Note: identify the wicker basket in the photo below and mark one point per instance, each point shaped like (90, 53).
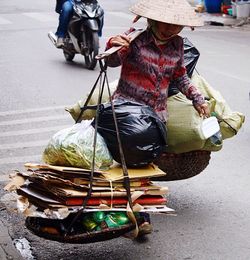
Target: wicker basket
(182, 166)
(36, 225)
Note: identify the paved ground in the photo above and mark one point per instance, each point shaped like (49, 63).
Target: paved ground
(7, 248)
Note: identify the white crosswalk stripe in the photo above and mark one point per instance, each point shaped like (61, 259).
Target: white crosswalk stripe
(42, 17)
(33, 120)
(32, 131)
(4, 21)
(128, 16)
(26, 144)
(39, 109)
(47, 17)
(20, 159)
(22, 145)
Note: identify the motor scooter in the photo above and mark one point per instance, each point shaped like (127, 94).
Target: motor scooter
(83, 32)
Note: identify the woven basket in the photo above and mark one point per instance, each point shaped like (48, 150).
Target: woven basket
(182, 166)
(36, 225)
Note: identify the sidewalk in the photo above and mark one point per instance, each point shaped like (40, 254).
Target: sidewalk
(219, 19)
(7, 248)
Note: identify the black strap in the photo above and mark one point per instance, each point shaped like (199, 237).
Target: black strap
(126, 181)
(102, 81)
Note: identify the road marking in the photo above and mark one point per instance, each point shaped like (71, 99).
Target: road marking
(4, 21)
(24, 145)
(21, 159)
(33, 120)
(122, 15)
(30, 110)
(229, 75)
(33, 131)
(42, 17)
(125, 28)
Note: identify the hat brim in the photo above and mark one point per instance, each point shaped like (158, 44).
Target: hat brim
(174, 12)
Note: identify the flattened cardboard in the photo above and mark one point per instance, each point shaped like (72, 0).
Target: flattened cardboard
(115, 173)
(64, 192)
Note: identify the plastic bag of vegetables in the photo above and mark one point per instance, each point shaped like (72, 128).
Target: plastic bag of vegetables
(73, 146)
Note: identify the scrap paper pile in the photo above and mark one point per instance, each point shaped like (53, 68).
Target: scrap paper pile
(55, 192)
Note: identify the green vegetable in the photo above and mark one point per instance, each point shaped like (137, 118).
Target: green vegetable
(74, 147)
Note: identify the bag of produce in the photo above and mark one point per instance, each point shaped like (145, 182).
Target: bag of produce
(73, 146)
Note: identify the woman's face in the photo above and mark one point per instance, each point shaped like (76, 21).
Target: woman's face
(166, 30)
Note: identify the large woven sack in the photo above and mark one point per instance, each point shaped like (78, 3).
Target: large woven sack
(184, 127)
(184, 123)
(230, 121)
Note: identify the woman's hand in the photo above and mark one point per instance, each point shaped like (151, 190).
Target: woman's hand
(136, 18)
(120, 40)
(202, 109)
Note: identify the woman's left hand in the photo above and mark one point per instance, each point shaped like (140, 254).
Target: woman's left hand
(202, 109)
(120, 40)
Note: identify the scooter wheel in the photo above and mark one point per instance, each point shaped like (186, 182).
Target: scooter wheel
(68, 56)
(93, 45)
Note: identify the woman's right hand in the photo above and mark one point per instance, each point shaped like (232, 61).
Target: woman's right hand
(120, 40)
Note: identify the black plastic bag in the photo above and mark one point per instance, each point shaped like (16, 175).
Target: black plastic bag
(191, 56)
(143, 134)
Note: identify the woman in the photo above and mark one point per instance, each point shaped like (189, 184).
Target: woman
(154, 59)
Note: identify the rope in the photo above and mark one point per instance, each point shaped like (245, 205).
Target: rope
(126, 182)
(112, 194)
(101, 86)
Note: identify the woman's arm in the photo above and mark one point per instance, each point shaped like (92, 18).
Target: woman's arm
(190, 91)
(116, 59)
(187, 88)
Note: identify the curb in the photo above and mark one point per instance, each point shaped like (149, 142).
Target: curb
(7, 249)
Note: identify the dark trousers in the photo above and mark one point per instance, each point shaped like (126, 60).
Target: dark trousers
(64, 17)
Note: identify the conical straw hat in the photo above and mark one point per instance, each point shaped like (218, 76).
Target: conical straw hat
(168, 11)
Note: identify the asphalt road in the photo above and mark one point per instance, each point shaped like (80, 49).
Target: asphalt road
(36, 84)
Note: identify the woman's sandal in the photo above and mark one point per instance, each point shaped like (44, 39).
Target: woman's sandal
(144, 229)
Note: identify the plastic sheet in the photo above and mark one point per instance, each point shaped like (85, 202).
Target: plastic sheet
(143, 134)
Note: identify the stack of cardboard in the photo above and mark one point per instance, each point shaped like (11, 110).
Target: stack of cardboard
(55, 192)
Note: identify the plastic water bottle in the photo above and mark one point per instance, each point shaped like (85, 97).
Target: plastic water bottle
(217, 137)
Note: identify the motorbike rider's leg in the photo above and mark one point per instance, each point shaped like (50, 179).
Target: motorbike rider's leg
(64, 18)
